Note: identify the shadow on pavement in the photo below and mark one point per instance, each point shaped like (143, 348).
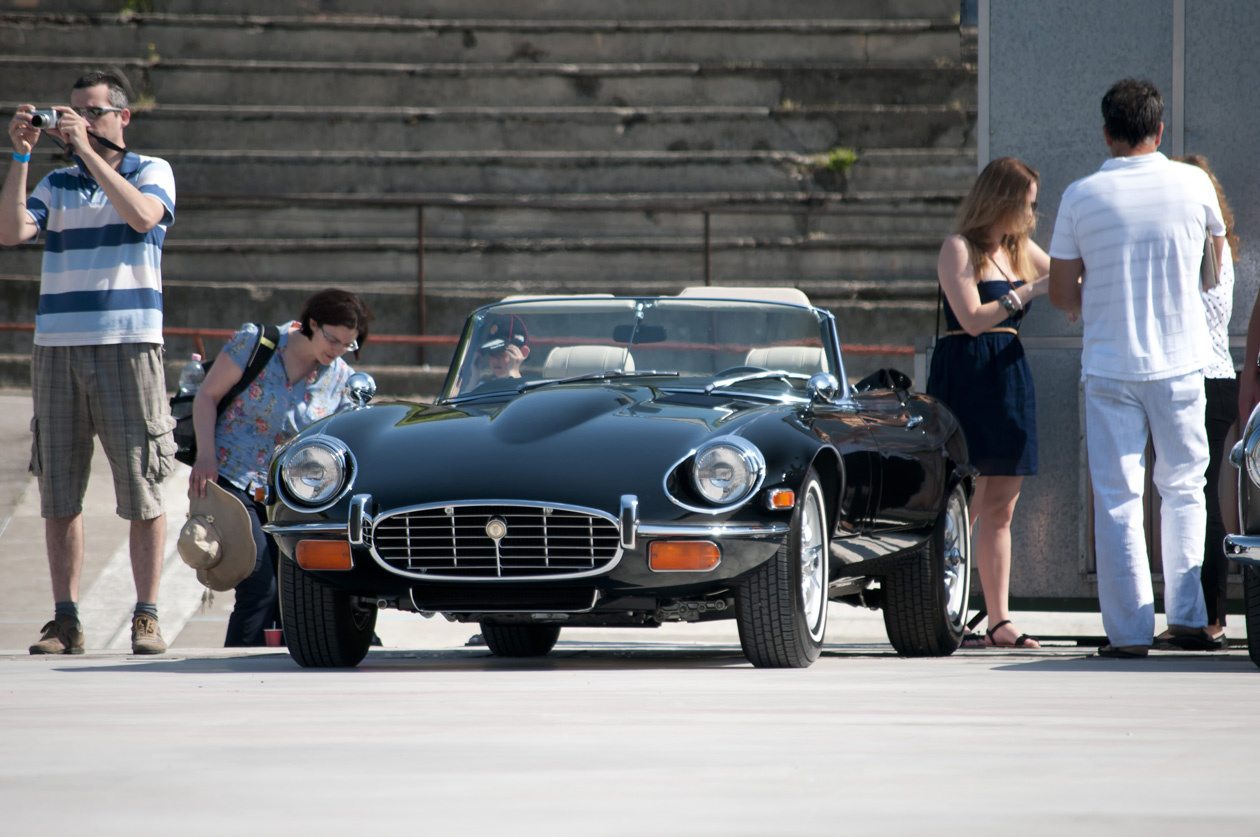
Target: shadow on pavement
(453, 660)
(652, 657)
(1163, 662)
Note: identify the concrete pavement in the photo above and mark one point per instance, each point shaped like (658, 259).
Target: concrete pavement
(663, 736)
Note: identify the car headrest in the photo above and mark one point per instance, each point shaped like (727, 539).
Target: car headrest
(794, 296)
(803, 359)
(567, 361)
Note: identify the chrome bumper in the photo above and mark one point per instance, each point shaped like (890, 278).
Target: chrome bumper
(631, 528)
(1243, 549)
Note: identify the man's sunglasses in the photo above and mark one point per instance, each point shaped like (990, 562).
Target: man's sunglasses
(95, 112)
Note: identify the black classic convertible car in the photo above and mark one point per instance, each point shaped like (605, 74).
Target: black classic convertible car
(612, 461)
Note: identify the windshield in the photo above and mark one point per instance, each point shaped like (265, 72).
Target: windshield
(695, 341)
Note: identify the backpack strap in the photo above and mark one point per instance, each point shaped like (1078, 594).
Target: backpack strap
(268, 340)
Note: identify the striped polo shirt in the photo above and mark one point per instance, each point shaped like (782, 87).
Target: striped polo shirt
(102, 280)
(1138, 224)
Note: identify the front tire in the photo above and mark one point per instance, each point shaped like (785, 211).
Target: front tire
(781, 608)
(1251, 599)
(324, 628)
(519, 640)
(925, 600)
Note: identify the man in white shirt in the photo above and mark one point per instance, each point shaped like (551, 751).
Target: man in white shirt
(1125, 256)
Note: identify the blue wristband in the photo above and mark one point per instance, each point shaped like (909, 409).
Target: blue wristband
(21, 158)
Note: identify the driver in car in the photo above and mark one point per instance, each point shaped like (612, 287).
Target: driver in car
(504, 347)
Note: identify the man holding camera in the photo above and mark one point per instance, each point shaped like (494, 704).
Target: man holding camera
(97, 363)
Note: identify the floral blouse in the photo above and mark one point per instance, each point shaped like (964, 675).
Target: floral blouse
(271, 411)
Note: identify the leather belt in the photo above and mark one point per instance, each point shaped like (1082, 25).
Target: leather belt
(1001, 330)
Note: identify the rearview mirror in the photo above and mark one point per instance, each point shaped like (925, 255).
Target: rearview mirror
(645, 334)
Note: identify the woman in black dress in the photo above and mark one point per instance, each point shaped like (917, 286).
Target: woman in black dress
(990, 270)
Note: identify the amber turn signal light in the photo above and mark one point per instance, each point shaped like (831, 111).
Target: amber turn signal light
(780, 498)
(324, 555)
(683, 556)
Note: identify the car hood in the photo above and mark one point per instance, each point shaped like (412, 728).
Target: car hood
(580, 445)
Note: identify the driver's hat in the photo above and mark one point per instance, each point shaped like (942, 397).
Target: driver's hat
(504, 330)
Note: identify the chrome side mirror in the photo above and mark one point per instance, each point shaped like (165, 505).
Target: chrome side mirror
(360, 389)
(822, 387)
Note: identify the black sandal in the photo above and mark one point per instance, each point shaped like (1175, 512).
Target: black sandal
(1020, 642)
(1201, 641)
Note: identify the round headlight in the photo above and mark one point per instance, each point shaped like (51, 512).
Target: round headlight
(314, 471)
(727, 472)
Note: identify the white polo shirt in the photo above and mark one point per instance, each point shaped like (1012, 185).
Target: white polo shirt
(1138, 224)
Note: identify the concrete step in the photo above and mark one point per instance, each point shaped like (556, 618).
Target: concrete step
(45, 79)
(560, 10)
(235, 219)
(261, 172)
(538, 265)
(560, 172)
(801, 129)
(404, 39)
(907, 169)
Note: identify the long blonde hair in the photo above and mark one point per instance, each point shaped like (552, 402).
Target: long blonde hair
(999, 197)
(1227, 211)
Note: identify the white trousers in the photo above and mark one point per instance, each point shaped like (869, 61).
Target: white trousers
(1118, 415)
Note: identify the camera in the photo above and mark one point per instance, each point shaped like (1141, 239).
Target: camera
(44, 119)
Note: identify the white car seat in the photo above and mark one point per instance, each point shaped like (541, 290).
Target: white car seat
(803, 359)
(567, 361)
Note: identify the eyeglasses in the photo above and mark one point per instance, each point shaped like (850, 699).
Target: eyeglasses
(95, 112)
(352, 346)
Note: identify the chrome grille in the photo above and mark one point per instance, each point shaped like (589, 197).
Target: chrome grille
(450, 541)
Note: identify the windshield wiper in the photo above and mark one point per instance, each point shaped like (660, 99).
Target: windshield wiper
(607, 374)
(478, 396)
(755, 376)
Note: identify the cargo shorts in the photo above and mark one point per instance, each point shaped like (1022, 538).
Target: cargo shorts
(117, 393)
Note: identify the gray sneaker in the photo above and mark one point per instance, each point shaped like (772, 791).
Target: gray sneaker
(145, 636)
(63, 635)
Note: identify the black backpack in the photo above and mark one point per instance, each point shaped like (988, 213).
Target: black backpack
(185, 436)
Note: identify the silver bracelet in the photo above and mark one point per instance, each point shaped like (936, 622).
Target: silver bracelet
(1008, 304)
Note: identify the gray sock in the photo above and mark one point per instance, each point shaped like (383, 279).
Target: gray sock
(66, 609)
(146, 609)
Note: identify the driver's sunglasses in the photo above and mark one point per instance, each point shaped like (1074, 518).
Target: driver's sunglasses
(95, 112)
(352, 346)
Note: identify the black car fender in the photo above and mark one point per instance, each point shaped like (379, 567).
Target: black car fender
(790, 451)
